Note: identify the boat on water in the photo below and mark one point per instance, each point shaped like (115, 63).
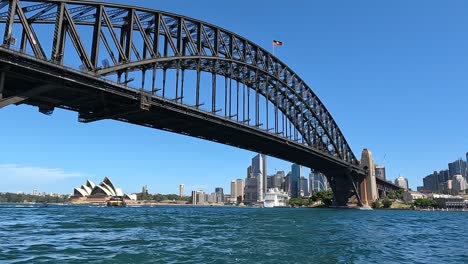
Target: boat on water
(275, 198)
(116, 202)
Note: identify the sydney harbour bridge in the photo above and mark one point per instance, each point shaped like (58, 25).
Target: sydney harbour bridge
(166, 71)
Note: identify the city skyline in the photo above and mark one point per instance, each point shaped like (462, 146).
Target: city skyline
(387, 76)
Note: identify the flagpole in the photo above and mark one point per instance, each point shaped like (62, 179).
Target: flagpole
(273, 44)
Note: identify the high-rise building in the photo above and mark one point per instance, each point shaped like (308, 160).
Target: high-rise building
(318, 181)
(459, 184)
(295, 180)
(144, 189)
(402, 182)
(380, 172)
(431, 182)
(233, 189)
(259, 172)
(219, 195)
(286, 186)
(276, 180)
(250, 191)
(304, 187)
(181, 190)
(198, 197)
(457, 167)
(240, 190)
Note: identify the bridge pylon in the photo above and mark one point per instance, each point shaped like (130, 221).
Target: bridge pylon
(368, 187)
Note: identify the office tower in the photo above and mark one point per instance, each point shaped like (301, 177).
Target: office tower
(286, 186)
(431, 182)
(318, 181)
(240, 190)
(194, 197)
(304, 187)
(259, 172)
(457, 167)
(181, 190)
(402, 182)
(219, 195)
(295, 180)
(369, 185)
(233, 189)
(459, 184)
(380, 172)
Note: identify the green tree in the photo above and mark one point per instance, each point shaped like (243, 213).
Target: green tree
(425, 203)
(295, 202)
(376, 205)
(325, 196)
(386, 203)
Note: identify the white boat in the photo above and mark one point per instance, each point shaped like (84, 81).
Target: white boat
(275, 198)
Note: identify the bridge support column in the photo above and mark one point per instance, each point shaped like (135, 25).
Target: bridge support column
(368, 186)
(345, 185)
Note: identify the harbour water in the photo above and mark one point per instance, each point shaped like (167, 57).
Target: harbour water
(183, 234)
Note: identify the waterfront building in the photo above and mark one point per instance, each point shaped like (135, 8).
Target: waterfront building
(459, 184)
(304, 183)
(410, 196)
(449, 201)
(402, 182)
(380, 172)
(369, 185)
(198, 197)
(295, 180)
(240, 190)
(181, 190)
(96, 194)
(275, 198)
(317, 181)
(219, 195)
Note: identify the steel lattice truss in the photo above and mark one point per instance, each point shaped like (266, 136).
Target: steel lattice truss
(127, 40)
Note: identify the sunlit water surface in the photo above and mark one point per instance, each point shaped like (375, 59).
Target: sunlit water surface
(183, 234)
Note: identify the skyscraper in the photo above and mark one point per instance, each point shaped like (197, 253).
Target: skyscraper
(457, 167)
(240, 190)
(318, 181)
(304, 186)
(295, 180)
(402, 182)
(380, 172)
(233, 189)
(181, 190)
(259, 172)
(219, 195)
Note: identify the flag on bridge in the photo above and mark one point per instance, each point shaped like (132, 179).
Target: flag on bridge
(277, 43)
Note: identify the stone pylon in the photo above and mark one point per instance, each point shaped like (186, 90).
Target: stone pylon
(368, 186)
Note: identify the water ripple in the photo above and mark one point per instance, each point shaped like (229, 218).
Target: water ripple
(77, 234)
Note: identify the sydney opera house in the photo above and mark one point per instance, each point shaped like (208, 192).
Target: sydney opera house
(98, 194)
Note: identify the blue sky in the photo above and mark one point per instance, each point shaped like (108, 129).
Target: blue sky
(393, 74)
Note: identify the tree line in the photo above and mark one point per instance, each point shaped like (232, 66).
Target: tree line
(29, 198)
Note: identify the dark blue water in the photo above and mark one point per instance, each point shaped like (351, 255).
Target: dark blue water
(80, 234)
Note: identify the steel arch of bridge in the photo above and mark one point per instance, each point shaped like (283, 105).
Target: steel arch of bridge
(127, 40)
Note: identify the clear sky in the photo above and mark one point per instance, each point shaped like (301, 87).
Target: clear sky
(393, 74)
